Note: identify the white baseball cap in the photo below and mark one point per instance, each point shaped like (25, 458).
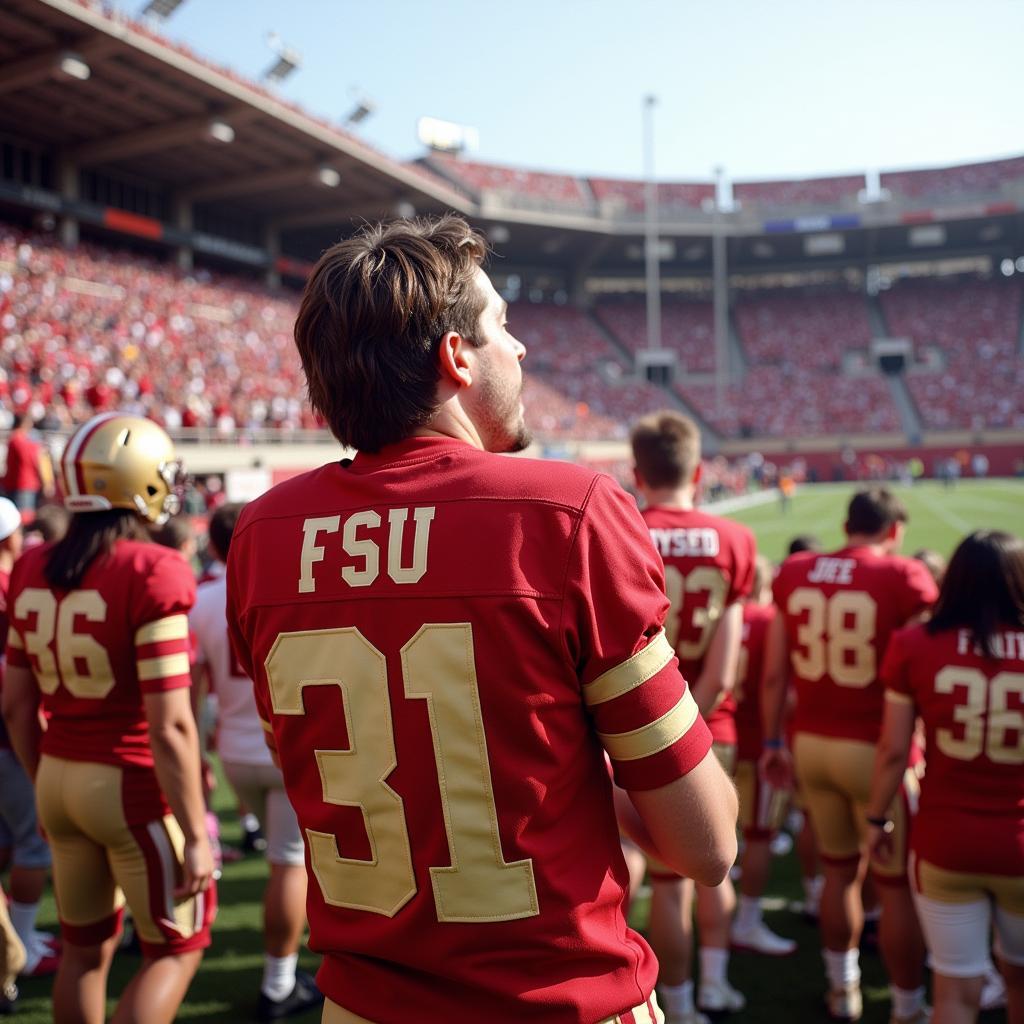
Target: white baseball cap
(10, 518)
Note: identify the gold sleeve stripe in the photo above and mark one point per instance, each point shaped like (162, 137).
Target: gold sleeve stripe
(637, 670)
(166, 667)
(267, 727)
(174, 627)
(14, 640)
(649, 739)
(898, 698)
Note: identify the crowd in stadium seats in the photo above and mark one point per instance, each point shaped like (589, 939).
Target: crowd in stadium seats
(975, 325)
(199, 350)
(672, 195)
(577, 384)
(687, 328)
(810, 192)
(965, 179)
(562, 189)
(791, 401)
(807, 329)
(86, 330)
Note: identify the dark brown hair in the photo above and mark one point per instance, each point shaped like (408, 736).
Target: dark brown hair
(173, 534)
(983, 589)
(90, 535)
(371, 320)
(222, 526)
(666, 448)
(874, 510)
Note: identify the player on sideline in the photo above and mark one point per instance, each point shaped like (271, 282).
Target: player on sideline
(99, 639)
(837, 612)
(709, 570)
(761, 805)
(963, 673)
(442, 642)
(254, 777)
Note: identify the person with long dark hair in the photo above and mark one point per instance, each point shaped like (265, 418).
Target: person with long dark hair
(963, 673)
(99, 641)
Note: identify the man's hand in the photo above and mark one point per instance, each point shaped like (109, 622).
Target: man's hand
(880, 845)
(197, 866)
(776, 767)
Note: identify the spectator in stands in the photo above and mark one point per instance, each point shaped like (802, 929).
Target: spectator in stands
(933, 562)
(28, 471)
(49, 525)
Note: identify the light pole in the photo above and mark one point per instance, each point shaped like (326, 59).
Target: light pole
(653, 270)
(720, 282)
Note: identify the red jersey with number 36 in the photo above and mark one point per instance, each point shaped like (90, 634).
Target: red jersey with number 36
(96, 650)
(709, 565)
(840, 610)
(444, 642)
(971, 814)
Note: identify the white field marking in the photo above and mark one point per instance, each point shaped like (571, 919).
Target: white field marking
(940, 512)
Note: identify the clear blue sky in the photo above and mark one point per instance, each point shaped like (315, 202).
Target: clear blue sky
(764, 87)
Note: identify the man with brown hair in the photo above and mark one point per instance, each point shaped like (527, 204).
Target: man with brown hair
(444, 644)
(709, 570)
(836, 614)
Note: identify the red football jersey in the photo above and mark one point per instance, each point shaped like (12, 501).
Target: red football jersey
(442, 641)
(749, 735)
(95, 650)
(971, 815)
(709, 564)
(840, 610)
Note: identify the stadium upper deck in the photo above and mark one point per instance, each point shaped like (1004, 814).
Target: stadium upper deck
(197, 167)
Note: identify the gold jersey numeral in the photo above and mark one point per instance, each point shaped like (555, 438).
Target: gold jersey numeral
(680, 586)
(988, 728)
(438, 666)
(836, 637)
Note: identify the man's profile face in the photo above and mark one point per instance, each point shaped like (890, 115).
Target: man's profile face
(497, 408)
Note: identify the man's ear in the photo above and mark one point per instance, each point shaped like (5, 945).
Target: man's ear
(455, 368)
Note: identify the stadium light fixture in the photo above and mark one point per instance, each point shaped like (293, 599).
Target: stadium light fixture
(360, 112)
(404, 210)
(1007, 267)
(220, 131)
(160, 10)
(287, 60)
(1020, 264)
(72, 66)
(328, 177)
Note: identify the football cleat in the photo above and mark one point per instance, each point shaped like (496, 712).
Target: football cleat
(719, 997)
(119, 461)
(846, 1004)
(761, 939)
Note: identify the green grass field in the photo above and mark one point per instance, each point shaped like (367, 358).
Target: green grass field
(788, 990)
(939, 517)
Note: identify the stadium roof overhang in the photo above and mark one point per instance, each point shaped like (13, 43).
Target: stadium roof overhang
(146, 111)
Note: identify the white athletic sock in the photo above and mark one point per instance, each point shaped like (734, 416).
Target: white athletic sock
(713, 964)
(906, 1002)
(676, 1000)
(23, 917)
(748, 914)
(278, 976)
(842, 968)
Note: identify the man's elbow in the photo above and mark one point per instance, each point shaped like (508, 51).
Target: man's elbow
(718, 863)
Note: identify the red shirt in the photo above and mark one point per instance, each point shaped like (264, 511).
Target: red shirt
(96, 650)
(840, 610)
(749, 735)
(709, 565)
(22, 464)
(442, 640)
(971, 814)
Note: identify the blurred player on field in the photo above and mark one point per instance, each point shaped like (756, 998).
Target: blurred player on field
(837, 612)
(444, 642)
(99, 639)
(962, 672)
(762, 806)
(709, 570)
(254, 777)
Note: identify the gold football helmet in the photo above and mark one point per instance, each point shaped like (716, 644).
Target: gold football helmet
(120, 461)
